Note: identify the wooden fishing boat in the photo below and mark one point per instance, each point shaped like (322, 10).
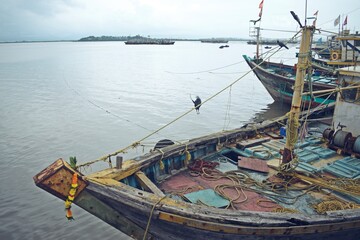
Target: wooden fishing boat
(226, 185)
(278, 79)
(346, 53)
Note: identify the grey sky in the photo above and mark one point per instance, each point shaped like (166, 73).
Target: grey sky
(73, 19)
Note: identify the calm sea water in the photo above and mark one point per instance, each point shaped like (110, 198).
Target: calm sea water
(90, 99)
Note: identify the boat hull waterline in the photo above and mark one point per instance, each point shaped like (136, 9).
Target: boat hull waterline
(281, 87)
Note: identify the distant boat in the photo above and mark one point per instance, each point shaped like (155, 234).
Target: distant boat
(343, 53)
(324, 48)
(266, 42)
(145, 41)
(214, 40)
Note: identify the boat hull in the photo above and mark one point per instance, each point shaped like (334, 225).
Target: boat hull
(137, 212)
(281, 87)
(168, 222)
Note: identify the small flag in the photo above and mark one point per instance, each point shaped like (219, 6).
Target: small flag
(337, 20)
(261, 4)
(261, 7)
(345, 21)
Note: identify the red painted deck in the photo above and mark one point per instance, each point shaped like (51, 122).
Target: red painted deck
(183, 183)
(253, 164)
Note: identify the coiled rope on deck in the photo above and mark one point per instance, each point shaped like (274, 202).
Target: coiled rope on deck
(239, 181)
(334, 205)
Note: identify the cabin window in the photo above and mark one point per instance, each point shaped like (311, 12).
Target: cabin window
(350, 95)
(357, 43)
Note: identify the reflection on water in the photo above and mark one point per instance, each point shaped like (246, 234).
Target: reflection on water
(91, 99)
(272, 110)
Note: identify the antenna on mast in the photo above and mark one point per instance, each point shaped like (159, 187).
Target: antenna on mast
(305, 11)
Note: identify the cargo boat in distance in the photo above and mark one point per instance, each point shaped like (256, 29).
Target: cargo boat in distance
(214, 40)
(150, 42)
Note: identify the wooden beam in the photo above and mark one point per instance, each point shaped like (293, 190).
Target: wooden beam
(147, 184)
(129, 167)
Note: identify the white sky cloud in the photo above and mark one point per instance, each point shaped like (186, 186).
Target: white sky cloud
(73, 19)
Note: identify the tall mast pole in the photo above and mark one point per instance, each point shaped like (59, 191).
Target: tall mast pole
(293, 121)
(257, 42)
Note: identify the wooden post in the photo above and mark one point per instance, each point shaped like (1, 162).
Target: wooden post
(293, 121)
(119, 160)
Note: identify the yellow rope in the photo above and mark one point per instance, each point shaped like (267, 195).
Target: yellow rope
(284, 210)
(135, 144)
(292, 127)
(187, 155)
(161, 164)
(151, 213)
(334, 205)
(242, 181)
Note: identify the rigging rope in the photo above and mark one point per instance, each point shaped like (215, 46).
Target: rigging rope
(207, 71)
(227, 112)
(137, 143)
(104, 109)
(150, 216)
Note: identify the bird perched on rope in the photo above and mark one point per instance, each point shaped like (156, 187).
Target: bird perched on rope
(197, 103)
(281, 44)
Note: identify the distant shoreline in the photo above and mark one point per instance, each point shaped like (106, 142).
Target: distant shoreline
(138, 37)
(124, 39)
(173, 39)
(39, 41)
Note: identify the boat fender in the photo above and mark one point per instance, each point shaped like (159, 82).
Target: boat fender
(187, 156)
(334, 56)
(163, 143)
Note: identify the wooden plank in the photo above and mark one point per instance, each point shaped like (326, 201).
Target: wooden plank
(254, 164)
(274, 135)
(252, 142)
(117, 174)
(110, 215)
(147, 184)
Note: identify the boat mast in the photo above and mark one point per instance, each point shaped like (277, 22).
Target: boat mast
(293, 121)
(257, 42)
